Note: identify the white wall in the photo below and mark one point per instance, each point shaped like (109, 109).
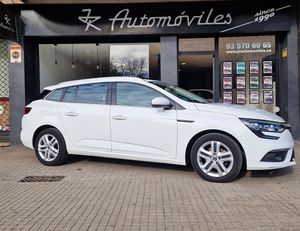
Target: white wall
(85, 60)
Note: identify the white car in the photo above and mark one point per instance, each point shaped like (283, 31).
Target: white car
(130, 118)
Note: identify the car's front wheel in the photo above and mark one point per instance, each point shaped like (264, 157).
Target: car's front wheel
(50, 147)
(217, 157)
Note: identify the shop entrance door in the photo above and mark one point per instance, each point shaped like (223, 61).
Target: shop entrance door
(196, 74)
(197, 59)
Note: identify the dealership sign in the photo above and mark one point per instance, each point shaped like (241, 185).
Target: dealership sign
(123, 20)
(7, 23)
(192, 18)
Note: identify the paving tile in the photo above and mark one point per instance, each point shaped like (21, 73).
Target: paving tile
(106, 194)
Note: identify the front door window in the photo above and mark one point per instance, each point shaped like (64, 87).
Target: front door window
(131, 94)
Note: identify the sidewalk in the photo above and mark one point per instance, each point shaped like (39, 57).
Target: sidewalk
(4, 144)
(106, 194)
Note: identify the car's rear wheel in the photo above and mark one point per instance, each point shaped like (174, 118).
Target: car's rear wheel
(50, 147)
(217, 157)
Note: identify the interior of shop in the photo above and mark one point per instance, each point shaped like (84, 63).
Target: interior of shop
(246, 66)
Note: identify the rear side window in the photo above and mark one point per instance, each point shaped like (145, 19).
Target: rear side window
(89, 93)
(56, 95)
(43, 94)
(70, 95)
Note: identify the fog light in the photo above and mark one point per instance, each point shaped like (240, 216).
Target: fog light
(293, 156)
(275, 156)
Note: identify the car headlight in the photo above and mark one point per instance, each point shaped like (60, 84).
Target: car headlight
(258, 127)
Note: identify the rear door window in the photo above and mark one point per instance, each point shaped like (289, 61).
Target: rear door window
(95, 93)
(92, 93)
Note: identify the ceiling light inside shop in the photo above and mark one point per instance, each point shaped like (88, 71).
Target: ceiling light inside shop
(73, 64)
(55, 59)
(98, 66)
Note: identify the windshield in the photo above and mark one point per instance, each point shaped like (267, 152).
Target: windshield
(180, 92)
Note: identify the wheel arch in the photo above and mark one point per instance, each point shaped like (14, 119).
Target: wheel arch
(198, 135)
(41, 128)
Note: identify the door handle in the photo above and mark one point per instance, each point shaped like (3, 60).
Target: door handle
(119, 117)
(72, 113)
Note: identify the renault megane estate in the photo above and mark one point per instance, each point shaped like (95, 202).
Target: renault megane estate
(130, 118)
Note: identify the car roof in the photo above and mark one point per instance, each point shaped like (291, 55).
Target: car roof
(95, 80)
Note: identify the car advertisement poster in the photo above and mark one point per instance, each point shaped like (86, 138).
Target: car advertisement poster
(240, 97)
(227, 68)
(227, 82)
(227, 97)
(240, 68)
(254, 67)
(267, 67)
(240, 82)
(254, 97)
(254, 82)
(267, 82)
(268, 97)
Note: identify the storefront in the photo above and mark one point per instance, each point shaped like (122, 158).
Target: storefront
(7, 32)
(233, 52)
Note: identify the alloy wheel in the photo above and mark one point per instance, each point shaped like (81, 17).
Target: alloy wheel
(48, 147)
(215, 159)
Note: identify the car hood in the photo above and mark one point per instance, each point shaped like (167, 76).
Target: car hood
(239, 111)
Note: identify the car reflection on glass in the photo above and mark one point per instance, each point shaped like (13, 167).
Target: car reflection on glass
(204, 93)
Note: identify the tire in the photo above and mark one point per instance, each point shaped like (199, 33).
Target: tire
(50, 147)
(221, 165)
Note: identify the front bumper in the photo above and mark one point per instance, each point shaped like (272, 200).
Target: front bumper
(259, 147)
(287, 162)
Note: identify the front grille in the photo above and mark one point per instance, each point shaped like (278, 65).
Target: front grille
(42, 179)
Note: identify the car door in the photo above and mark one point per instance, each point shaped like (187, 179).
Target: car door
(137, 128)
(85, 116)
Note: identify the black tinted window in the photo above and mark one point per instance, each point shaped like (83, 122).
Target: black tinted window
(89, 93)
(130, 94)
(56, 95)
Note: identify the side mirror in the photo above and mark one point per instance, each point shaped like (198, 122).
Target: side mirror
(161, 102)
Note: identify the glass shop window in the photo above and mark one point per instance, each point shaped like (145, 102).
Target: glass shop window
(248, 71)
(65, 62)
